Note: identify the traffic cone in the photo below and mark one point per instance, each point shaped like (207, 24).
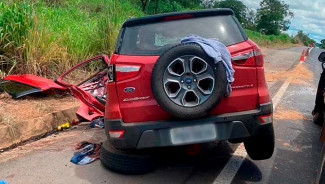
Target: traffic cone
(302, 57)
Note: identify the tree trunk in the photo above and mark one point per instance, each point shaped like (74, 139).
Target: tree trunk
(156, 7)
(144, 4)
(172, 5)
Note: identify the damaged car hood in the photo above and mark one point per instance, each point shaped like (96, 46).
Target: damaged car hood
(21, 85)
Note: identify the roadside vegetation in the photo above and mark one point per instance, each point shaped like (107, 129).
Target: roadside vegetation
(322, 44)
(271, 40)
(46, 37)
(303, 38)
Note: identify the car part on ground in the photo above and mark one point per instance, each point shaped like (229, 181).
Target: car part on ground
(88, 113)
(20, 85)
(126, 162)
(98, 122)
(86, 153)
(189, 86)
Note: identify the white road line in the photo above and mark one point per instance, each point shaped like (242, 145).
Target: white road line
(276, 99)
(230, 170)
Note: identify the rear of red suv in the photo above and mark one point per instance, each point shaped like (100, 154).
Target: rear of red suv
(162, 93)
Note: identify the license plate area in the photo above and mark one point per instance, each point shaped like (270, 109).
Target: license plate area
(193, 134)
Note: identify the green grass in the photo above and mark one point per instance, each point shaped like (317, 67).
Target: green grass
(270, 40)
(15, 21)
(46, 37)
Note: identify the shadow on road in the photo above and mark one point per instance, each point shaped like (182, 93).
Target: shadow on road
(175, 165)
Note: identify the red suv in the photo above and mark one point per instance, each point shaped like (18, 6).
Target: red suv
(162, 93)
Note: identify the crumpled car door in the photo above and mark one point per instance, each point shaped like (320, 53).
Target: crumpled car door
(87, 82)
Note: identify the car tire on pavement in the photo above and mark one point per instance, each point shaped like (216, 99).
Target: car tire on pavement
(189, 55)
(261, 145)
(126, 162)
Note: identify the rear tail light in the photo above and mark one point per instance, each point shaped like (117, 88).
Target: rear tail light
(116, 133)
(123, 72)
(268, 118)
(258, 57)
(251, 58)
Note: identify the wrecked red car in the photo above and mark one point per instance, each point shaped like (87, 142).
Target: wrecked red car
(167, 93)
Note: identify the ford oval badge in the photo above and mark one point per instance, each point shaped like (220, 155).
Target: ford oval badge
(129, 89)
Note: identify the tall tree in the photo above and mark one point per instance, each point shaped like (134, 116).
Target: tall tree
(322, 43)
(189, 3)
(249, 22)
(237, 6)
(144, 4)
(273, 17)
(163, 6)
(304, 38)
(207, 3)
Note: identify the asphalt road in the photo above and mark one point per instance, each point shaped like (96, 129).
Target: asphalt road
(295, 160)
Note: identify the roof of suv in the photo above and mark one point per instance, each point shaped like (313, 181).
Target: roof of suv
(176, 15)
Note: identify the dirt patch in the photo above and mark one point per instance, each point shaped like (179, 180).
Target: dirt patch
(274, 76)
(32, 117)
(299, 75)
(286, 144)
(16, 110)
(282, 113)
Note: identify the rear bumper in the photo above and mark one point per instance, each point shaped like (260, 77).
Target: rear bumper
(157, 134)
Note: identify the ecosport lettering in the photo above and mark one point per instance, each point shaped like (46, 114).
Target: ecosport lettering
(135, 98)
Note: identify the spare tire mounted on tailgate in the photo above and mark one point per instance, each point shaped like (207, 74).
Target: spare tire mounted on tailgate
(187, 83)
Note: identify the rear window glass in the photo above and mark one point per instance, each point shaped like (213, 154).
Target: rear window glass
(155, 38)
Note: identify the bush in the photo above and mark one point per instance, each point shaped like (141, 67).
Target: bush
(52, 35)
(303, 38)
(15, 22)
(269, 40)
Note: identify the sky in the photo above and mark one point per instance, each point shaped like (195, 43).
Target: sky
(309, 16)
